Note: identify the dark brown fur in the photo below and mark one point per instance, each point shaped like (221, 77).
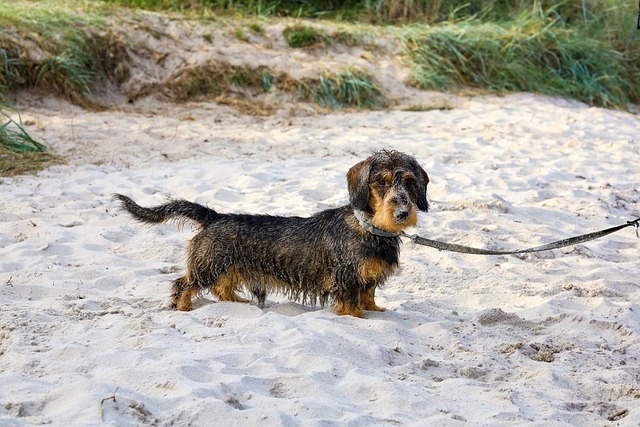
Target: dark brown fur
(326, 257)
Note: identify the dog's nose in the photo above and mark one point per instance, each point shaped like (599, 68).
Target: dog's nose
(400, 215)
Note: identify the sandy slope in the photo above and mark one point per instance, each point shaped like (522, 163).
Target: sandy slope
(544, 339)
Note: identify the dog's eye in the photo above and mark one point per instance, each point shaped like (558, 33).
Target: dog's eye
(410, 182)
(382, 182)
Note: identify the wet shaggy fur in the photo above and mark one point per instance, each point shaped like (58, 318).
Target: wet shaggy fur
(326, 257)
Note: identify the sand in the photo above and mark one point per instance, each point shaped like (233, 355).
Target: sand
(541, 339)
(548, 339)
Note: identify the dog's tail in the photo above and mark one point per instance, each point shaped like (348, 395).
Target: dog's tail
(176, 209)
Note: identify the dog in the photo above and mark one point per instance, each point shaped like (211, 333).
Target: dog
(340, 255)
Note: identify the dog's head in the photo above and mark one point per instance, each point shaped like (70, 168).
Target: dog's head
(391, 186)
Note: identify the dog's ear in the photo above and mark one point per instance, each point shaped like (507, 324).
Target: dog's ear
(423, 180)
(358, 184)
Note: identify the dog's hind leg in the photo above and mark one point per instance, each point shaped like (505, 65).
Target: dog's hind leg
(182, 294)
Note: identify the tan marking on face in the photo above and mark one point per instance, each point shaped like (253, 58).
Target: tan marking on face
(381, 202)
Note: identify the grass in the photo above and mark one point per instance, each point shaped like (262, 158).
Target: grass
(241, 35)
(576, 51)
(217, 78)
(587, 51)
(420, 108)
(303, 36)
(528, 54)
(236, 84)
(76, 51)
(64, 53)
(13, 136)
(610, 12)
(348, 89)
(581, 50)
(19, 152)
(256, 28)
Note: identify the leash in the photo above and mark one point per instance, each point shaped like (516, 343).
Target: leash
(549, 246)
(452, 247)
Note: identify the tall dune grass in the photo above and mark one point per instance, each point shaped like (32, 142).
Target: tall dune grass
(58, 51)
(526, 54)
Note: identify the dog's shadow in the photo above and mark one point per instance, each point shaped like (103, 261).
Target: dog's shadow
(284, 308)
(290, 309)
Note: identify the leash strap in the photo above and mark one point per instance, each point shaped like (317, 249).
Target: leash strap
(549, 246)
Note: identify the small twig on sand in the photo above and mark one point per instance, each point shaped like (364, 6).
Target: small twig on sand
(618, 415)
(108, 398)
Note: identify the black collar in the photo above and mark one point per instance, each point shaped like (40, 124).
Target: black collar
(372, 228)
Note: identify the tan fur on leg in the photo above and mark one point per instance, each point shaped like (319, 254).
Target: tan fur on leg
(343, 309)
(368, 302)
(226, 286)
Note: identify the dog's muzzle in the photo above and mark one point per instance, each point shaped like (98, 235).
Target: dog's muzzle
(400, 215)
(402, 207)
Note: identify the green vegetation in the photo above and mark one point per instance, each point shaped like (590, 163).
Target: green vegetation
(19, 152)
(253, 28)
(14, 137)
(219, 78)
(58, 52)
(582, 50)
(240, 35)
(347, 89)
(611, 13)
(256, 28)
(528, 54)
(303, 36)
(419, 108)
(352, 88)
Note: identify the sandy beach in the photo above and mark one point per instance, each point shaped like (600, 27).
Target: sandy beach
(543, 339)
(547, 339)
